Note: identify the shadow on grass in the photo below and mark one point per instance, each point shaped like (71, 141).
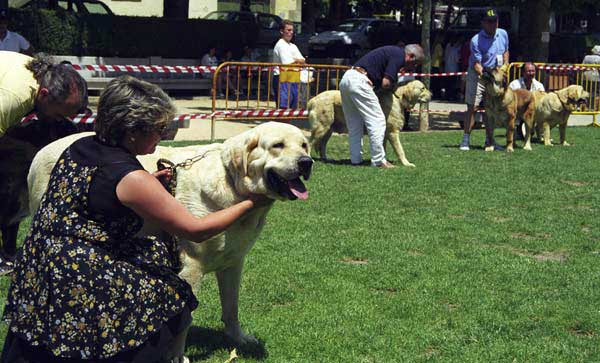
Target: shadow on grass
(207, 341)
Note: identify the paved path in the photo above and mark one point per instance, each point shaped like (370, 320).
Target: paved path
(200, 129)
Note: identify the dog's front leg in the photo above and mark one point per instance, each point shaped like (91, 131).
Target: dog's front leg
(229, 281)
(562, 128)
(394, 138)
(490, 125)
(547, 138)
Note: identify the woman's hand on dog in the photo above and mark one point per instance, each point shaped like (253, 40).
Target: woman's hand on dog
(260, 200)
(164, 176)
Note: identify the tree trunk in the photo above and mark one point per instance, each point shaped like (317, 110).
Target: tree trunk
(534, 31)
(425, 43)
(449, 12)
(176, 8)
(338, 10)
(309, 15)
(245, 5)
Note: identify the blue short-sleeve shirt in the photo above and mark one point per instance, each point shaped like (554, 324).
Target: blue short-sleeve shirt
(485, 49)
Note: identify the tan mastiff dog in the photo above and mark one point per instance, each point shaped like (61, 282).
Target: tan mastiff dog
(270, 159)
(554, 108)
(503, 106)
(326, 116)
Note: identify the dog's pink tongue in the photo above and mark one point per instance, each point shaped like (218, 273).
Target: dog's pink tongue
(298, 188)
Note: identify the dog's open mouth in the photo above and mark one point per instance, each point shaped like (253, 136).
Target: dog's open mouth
(292, 189)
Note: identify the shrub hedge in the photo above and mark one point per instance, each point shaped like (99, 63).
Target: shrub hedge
(65, 33)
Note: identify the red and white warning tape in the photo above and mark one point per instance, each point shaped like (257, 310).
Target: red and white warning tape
(563, 68)
(91, 118)
(210, 69)
(144, 69)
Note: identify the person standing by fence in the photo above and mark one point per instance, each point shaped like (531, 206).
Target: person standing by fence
(489, 49)
(285, 81)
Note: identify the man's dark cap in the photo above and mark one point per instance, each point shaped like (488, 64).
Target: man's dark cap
(490, 14)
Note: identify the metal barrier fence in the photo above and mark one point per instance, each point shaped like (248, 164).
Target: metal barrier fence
(276, 87)
(558, 76)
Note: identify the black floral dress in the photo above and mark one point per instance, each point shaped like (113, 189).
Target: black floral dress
(84, 286)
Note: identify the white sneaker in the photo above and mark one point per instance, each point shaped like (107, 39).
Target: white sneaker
(464, 144)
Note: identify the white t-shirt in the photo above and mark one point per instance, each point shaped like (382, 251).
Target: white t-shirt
(285, 53)
(520, 84)
(14, 42)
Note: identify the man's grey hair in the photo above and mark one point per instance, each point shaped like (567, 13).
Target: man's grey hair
(130, 104)
(416, 50)
(60, 80)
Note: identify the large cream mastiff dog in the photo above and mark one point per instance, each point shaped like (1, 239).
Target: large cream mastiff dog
(269, 159)
(326, 116)
(554, 108)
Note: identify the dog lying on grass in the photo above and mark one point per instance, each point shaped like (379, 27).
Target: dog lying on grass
(326, 116)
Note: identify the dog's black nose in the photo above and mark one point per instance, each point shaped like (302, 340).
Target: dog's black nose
(305, 166)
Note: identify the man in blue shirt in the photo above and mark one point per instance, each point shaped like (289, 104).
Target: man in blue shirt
(489, 49)
(377, 69)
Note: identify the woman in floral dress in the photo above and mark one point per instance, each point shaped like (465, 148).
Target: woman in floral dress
(84, 287)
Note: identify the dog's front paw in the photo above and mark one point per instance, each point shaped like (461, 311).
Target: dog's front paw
(489, 148)
(527, 147)
(238, 338)
(565, 143)
(408, 163)
(510, 149)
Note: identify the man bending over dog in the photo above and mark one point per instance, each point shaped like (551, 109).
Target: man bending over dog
(377, 69)
(53, 91)
(489, 49)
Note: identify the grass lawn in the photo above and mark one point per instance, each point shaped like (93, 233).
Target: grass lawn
(469, 257)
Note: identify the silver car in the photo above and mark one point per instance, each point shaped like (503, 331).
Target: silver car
(353, 37)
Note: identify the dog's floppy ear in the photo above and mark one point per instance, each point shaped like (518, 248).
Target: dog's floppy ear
(563, 96)
(238, 149)
(251, 144)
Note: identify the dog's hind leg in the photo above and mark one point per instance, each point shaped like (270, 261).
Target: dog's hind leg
(562, 128)
(528, 119)
(9, 240)
(229, 281)
(510, 134)
(394, 138)
(529, 131)
(319, 138)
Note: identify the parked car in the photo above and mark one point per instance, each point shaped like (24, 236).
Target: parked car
(77, 6)
(302, 37)
(267, 24)
(354, 37)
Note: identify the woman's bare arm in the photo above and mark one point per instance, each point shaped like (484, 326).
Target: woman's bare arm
(143, 193)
